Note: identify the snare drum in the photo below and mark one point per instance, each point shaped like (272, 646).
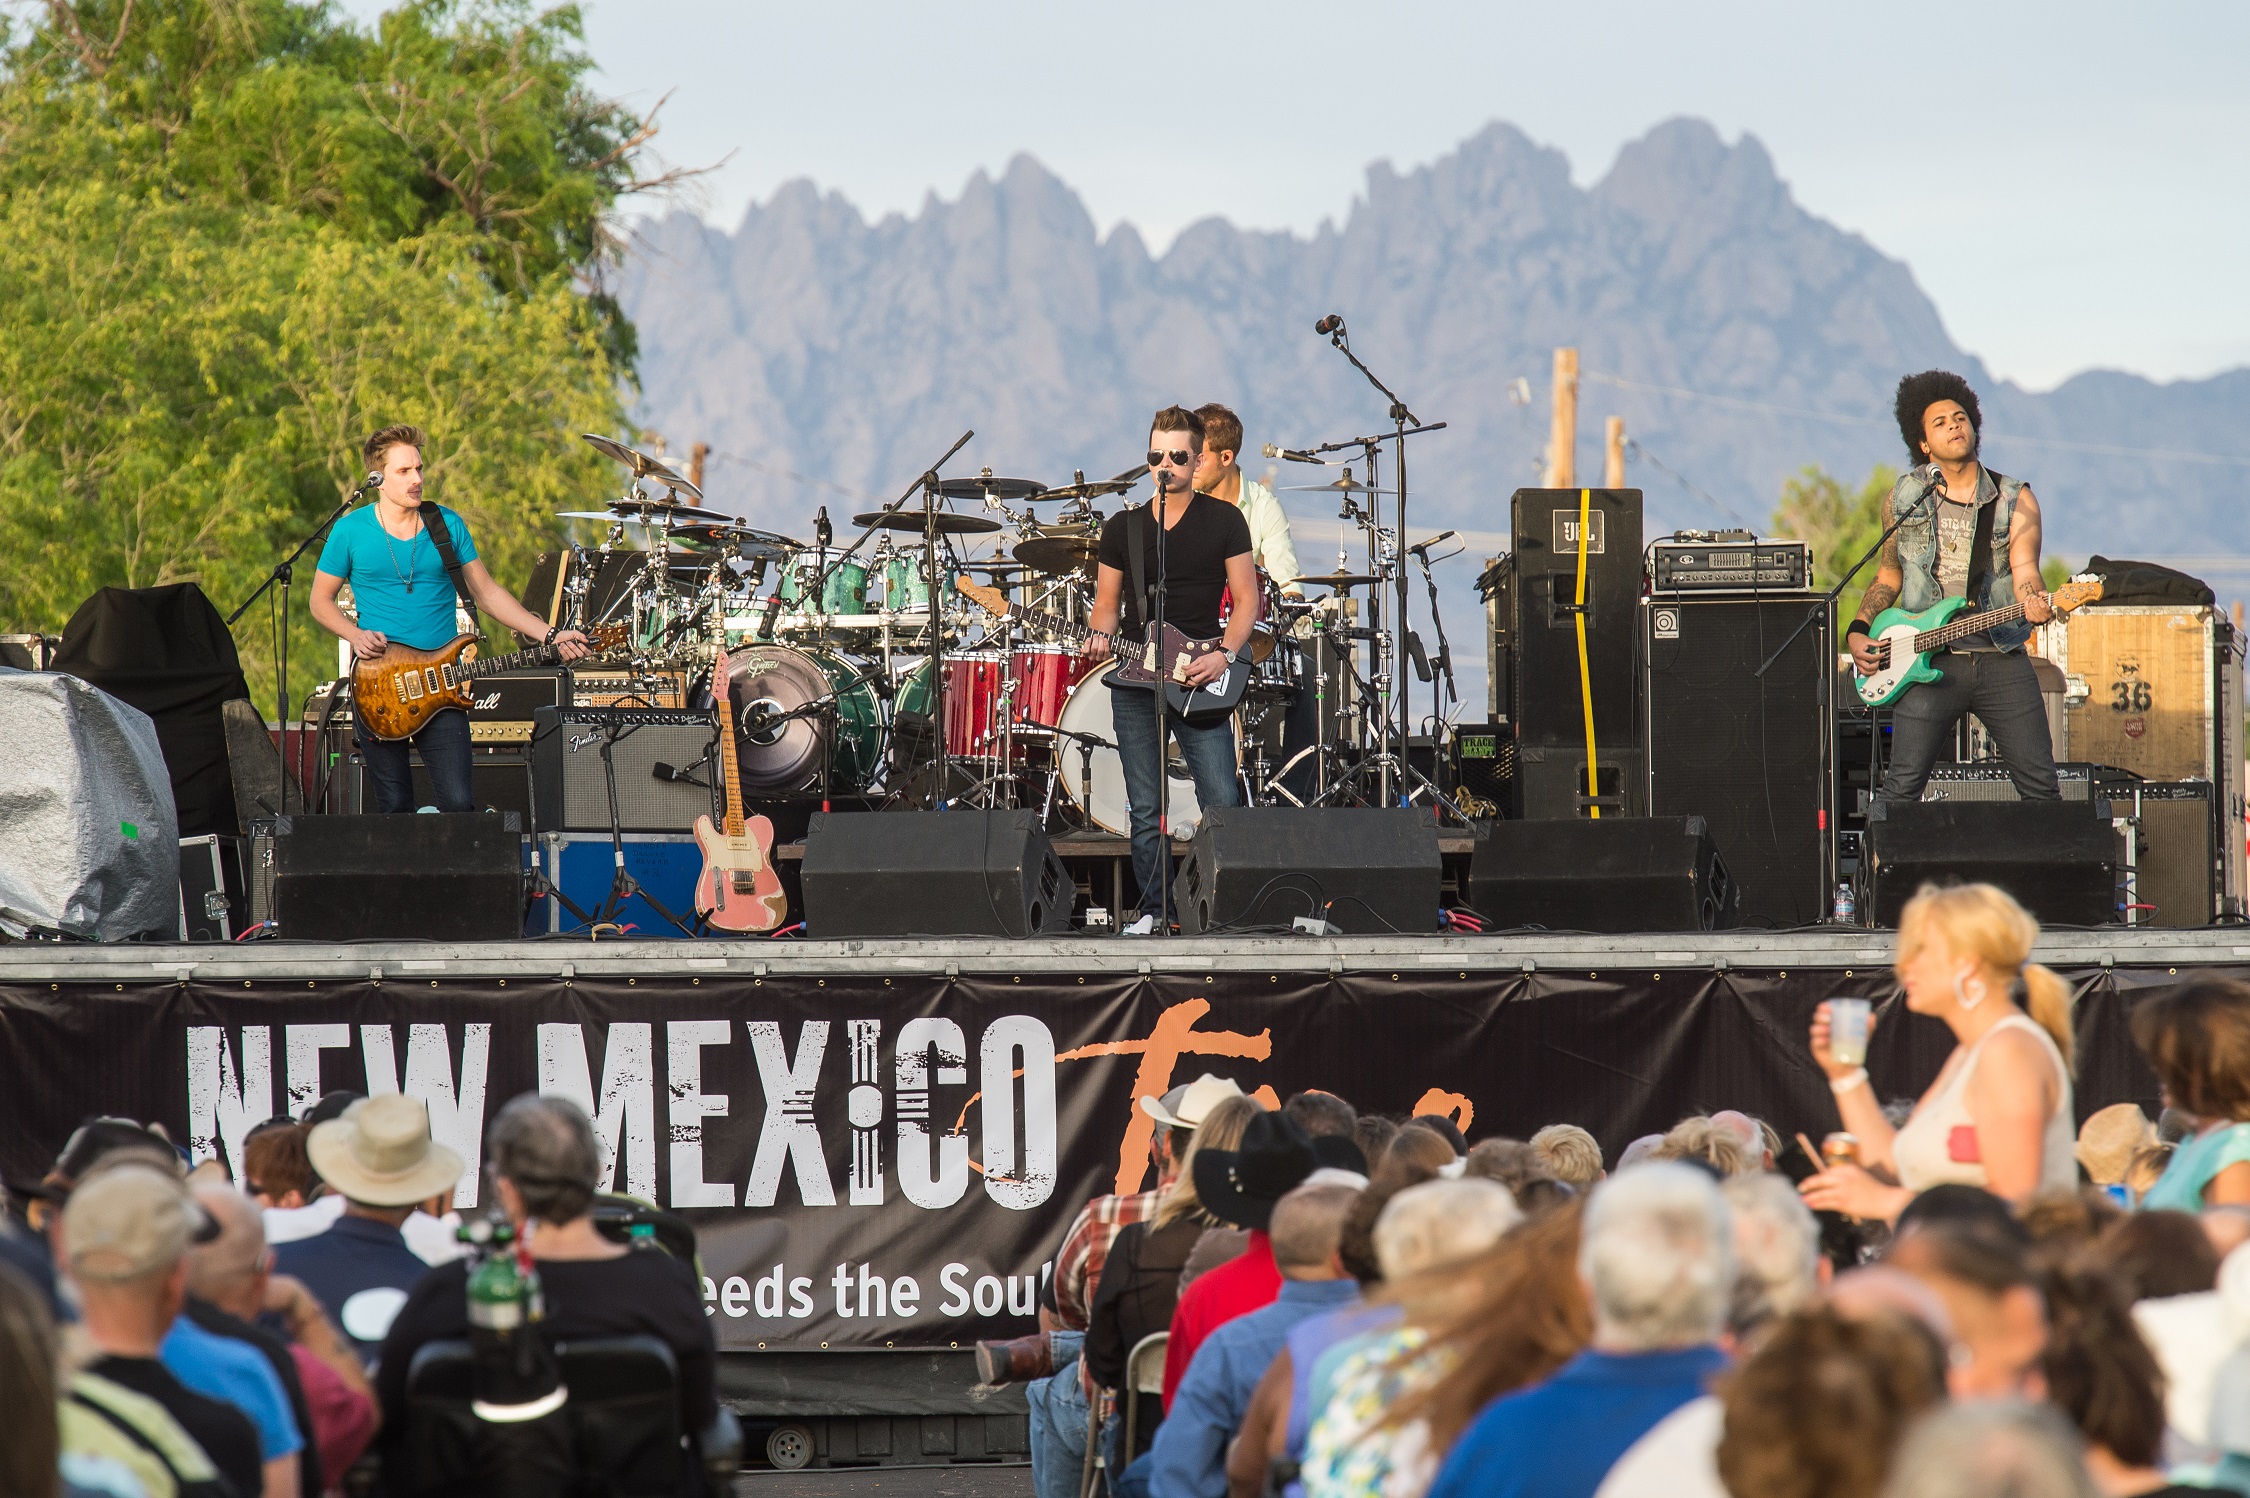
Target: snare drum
(843, 592)
(1044, 676)
(972, 703)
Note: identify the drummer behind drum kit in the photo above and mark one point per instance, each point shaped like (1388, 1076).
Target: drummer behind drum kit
(831, 651)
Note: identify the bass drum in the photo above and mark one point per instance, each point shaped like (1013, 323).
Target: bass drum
(784, 759)
(1102, 796)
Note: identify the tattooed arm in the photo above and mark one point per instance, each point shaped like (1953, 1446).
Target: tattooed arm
(1880, 595)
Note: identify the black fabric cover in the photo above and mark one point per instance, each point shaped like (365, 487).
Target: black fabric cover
(2147, 583)
(167, 652)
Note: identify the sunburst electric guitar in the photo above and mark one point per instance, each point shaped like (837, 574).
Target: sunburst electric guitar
(403, 688)
(738, 889)
(1160, 660)
(1905, 642)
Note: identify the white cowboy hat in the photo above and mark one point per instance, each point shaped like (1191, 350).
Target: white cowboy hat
(1187, 1107)
(380, 1153)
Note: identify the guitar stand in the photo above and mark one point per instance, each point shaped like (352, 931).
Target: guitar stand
(622, 885)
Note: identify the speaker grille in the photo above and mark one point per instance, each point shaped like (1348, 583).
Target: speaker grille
(1744, 753)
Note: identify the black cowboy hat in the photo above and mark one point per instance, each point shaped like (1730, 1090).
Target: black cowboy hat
(1240, 1186)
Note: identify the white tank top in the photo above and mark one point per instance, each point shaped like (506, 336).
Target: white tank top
(1923, 1149)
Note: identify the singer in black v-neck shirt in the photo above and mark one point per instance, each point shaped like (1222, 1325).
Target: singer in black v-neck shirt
(1196, 551)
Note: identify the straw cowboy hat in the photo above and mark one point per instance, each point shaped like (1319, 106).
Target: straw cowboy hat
(1187, 1107)
(380, 1153)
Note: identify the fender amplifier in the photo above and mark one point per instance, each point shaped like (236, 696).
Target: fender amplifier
(667, 768)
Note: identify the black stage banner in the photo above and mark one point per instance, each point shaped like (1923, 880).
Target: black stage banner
(879, 1162)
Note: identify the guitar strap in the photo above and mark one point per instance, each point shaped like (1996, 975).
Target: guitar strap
(441, 536)
(1136, 527)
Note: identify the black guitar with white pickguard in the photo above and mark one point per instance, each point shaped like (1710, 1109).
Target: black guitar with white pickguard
(1162, 658)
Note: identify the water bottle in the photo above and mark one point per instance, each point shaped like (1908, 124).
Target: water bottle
(1845, 912)
(503, 1297)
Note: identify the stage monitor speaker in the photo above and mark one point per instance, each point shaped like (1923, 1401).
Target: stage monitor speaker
(933, 873)
(1612, 874)
(439, 877)
(667, 767)
(1548, 706)
(1746, 753)
(1371, 870)
(2058, 858)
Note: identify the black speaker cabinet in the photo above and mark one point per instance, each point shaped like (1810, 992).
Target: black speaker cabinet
(1746, 753)
(1610, 874)
(667, 766)
(1374, 869)
(438, 877)
(499, 780)
(2058, 858)
(2176, 862)
(1551, 783)
(1547, 705)
(933, 873)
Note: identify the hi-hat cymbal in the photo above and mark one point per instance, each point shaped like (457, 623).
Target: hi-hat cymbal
(997, 568)
(984, 483)
(912, 520)
(642, 465)
(1345, 485)
(1084, 489)
(1340, 579)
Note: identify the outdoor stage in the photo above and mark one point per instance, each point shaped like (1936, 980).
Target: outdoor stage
(881, 1143)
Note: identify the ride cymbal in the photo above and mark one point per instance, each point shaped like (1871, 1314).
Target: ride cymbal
(984, 483)
(912, 520)
(642, 465)
(1345, 485)
(1340, 579)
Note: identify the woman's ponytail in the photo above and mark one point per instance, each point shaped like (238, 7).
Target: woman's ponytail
(2047, 999)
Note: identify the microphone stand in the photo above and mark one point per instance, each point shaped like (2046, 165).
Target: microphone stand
(1157, 507)
(283, 572)
(1405, 424)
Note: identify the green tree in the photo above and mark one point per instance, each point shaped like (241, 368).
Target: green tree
(237, 235)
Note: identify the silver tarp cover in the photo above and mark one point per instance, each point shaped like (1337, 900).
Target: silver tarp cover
(89, 839)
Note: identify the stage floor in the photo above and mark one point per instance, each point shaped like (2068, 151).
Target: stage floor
(1853, 951)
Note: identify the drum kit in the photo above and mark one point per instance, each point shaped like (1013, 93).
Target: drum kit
(832, 651)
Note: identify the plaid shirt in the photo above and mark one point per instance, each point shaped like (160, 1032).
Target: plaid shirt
(1078, 1268)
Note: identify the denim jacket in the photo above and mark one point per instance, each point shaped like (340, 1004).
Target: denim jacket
(1918, 546)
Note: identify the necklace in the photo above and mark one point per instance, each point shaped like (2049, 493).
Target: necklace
(405, 576)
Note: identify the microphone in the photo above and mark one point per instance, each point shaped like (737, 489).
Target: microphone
(373, 480)
(1329, 324)
(1290, 453)
(823, 532)
(1423, 549)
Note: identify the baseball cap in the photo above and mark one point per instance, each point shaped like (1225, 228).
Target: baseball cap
(128, 1220)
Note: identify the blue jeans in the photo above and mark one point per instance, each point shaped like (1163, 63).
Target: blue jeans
(444, 744)
(1058, 1422)
(1208, 748)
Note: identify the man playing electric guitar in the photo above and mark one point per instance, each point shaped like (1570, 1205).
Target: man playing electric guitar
(1206, 555)
(1974, 534)
(404, 594)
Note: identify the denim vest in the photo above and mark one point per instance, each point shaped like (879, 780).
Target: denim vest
(1918, 548)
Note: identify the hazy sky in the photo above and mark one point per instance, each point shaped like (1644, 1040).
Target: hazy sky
(2070, 181)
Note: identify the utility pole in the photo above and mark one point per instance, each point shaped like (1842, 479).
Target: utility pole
(695, 457)
(1613, 470)
(1562, 439)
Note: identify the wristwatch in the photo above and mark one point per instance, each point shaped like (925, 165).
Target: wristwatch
(1232, 658)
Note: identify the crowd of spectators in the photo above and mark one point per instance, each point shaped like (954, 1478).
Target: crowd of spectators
(168, 1333)
(1965, 1293)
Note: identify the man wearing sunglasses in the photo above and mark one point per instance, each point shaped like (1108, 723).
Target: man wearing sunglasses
(1206, 556)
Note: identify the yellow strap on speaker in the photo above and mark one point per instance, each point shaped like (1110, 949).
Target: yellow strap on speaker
(1585, 675)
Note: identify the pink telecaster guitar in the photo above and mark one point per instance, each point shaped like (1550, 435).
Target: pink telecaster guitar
(738, 889)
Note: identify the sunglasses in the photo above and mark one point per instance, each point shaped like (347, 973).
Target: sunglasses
(1180, 457)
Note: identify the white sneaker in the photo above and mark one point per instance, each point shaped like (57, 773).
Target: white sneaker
(1145, 926)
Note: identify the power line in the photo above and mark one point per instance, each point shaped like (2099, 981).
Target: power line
(787, 473)
(1635, 448)
(2099, 448)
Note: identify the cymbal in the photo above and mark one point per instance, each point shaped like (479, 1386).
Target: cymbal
(1345, 485)
(998, 569)
(948, 524)
(1084, 489)
(984, 483)
(1340, 579)
(1059, 553)
(745, 541)
(642, 465)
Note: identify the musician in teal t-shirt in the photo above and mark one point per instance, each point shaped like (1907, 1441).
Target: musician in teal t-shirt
(403, 594)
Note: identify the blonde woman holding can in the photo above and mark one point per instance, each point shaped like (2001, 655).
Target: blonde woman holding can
(2000, 1113)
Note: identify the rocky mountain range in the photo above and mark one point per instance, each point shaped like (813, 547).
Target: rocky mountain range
(1740, 337)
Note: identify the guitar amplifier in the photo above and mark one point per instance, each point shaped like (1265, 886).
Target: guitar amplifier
(666, 763)
(1729, 562)
(628, 689)
(501, 713)
(1984, 780)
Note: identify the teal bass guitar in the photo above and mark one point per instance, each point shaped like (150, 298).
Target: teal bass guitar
(1905, 642)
